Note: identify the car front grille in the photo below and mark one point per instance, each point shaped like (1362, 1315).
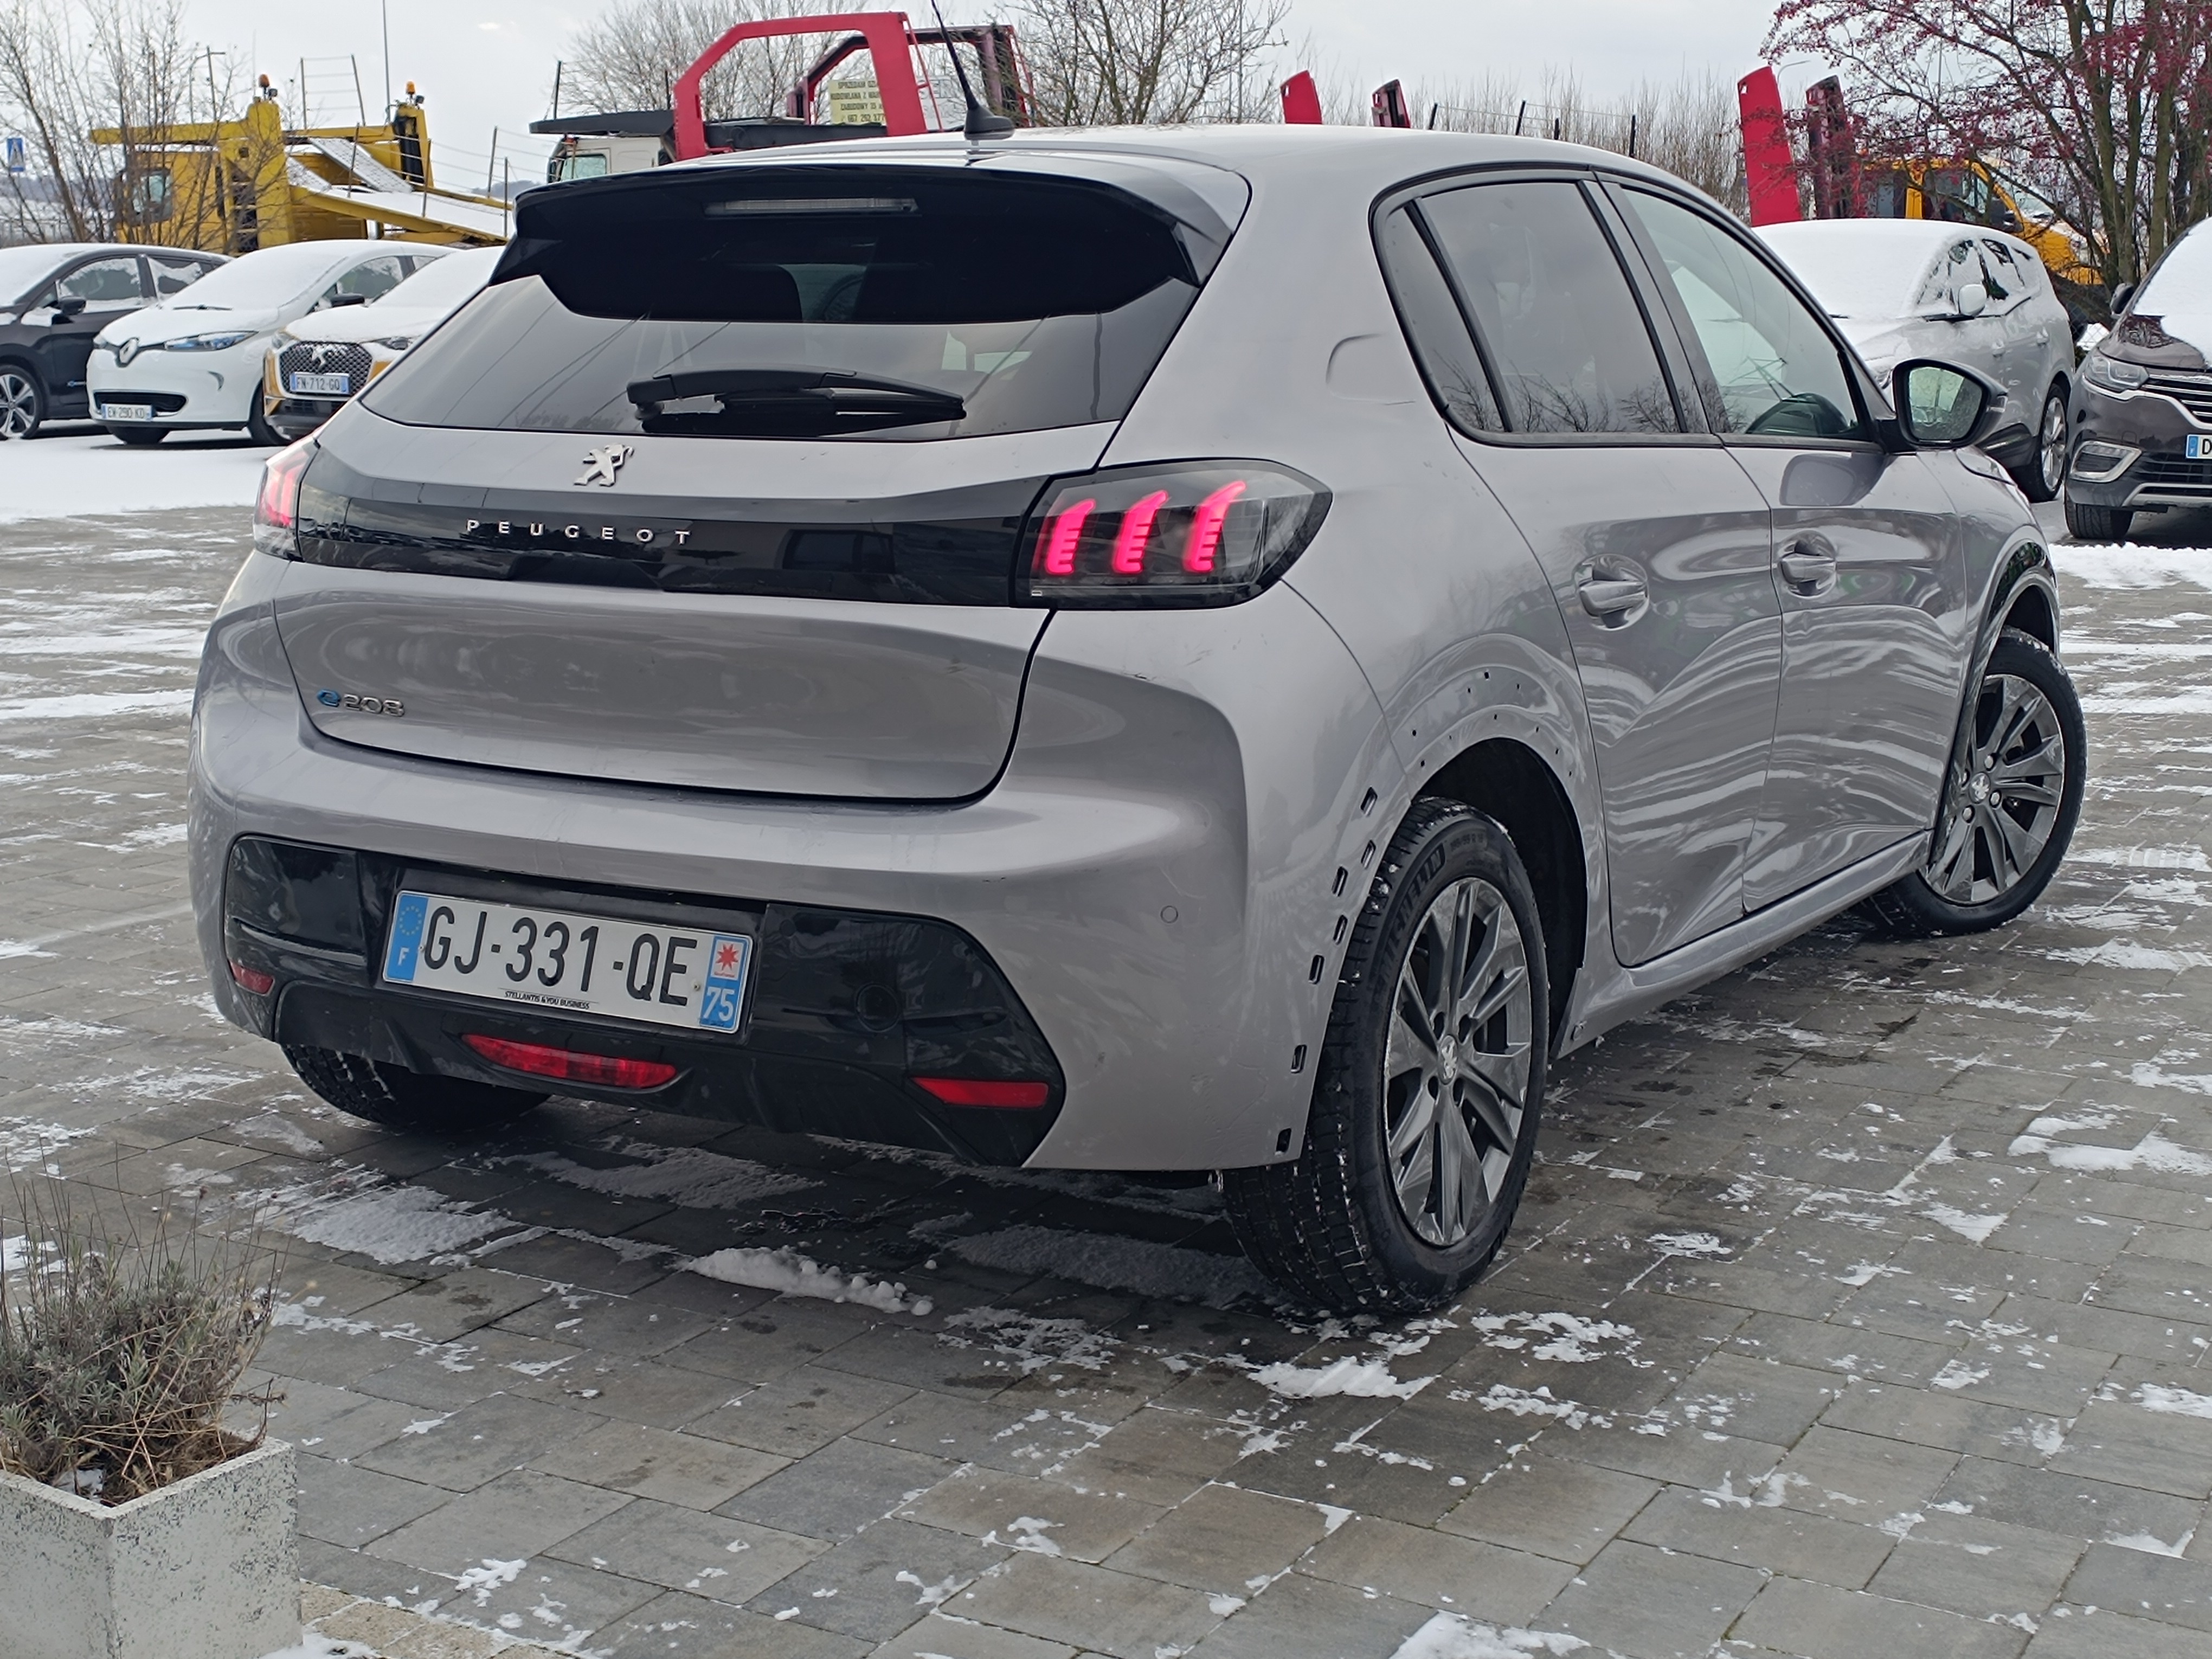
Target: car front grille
(2192, 392)
(2171, 476)
(352, 360)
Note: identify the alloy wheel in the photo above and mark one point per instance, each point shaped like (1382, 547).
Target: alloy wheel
(2004, 802)
(19, 404)
(1455, 1067)
(2050, 452)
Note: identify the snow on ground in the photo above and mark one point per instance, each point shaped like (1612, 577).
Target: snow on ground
(80, 469)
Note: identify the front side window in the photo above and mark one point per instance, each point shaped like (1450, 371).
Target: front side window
(583, 164)
(2008, 284)
(370, 279)
(1957, 265)
(1567, 344)
(894, 303)
(1771, 369)
(105, 284)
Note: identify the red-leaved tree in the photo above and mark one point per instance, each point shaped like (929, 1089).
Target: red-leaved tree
(2103, 105)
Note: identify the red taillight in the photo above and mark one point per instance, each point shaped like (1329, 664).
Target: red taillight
(1205, 526)
(1191, 532)
(1136, 531)
(1061, 535)
(254, 978)
(540, 1060)
(276, 509)
(982, 1091)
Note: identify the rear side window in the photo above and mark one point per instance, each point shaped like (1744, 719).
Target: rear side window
(826, 302)
(1442, 345)
(1566, 342)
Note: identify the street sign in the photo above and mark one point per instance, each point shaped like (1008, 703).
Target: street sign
(18, 157)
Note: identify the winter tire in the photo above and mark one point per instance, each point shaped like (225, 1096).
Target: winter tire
(2043, 474)
(401, 1099)
(1424, 1109)
(2085, 523)
(2009, 804)
(22, 401)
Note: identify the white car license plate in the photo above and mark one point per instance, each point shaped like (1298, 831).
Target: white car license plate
(126, 411)
(694, 977)
(323, 385)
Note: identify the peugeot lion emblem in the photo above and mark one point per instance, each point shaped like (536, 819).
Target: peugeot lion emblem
(601, 465)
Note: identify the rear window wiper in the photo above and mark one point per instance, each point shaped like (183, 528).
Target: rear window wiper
(814, 400)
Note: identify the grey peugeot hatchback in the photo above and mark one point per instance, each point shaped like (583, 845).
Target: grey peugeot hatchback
(1216, 650)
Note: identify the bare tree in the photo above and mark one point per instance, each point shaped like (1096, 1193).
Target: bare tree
(64, 72)
(630, 55)
(1125, 62)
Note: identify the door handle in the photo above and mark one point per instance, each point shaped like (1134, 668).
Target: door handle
(1608, 596)
(1807, 567)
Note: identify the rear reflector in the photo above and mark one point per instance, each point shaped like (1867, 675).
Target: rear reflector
(540, 1060)
(980, 1091)
(254, 978)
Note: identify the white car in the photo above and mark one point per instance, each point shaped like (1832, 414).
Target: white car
(1900, 288)
(193, 361)
(315, 365)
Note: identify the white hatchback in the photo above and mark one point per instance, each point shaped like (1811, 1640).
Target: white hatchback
(193, 361)
(1925, 287)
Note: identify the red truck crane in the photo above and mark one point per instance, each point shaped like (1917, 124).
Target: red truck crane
(900, 100)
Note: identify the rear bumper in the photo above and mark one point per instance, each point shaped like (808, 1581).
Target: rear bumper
(1155, 874)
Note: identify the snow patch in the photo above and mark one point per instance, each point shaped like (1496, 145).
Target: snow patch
(1764, 1491)
(2154, 1152)
(2179, 1402)
(1694, 1245)
(1557, 1336)
(2150, 1545)
(789, 1273)
(1522, 1402)
(393, 1224)
(1959, 1375)
(1454, 1636)
(1965, 1225)
(97, 705)
(1031, 1340)
(2128, 566)
(482, 1580)
(2119, 953)
(1367, 1379)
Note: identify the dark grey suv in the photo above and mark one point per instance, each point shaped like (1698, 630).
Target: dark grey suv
(54, 297)
(1213, 650)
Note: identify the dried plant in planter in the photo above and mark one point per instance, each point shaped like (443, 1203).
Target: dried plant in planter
(119, 1355)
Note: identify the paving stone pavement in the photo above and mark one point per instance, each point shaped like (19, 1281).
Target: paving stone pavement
(1859, 1303)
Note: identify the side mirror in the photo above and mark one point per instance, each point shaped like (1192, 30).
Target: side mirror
(1973, 299)
(68, 309)
(2121, 295)
(1941, 406)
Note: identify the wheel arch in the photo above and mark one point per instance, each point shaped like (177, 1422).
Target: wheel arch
(1508, 780)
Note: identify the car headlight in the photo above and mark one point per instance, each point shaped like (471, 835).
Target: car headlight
(208, 342)
(2111, 374)
(395, 342)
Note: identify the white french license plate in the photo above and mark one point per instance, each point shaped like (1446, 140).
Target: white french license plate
(323, 385)
(694, 977)
(126, 411)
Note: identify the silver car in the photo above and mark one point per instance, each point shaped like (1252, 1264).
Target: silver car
(1214, 650)
(1925, 287)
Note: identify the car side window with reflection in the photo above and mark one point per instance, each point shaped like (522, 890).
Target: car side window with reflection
(1771, 370)
(105, 284)
(2002, 278)
(1438, 333)
(370, 279)
(175, 276)
(1958, 265)
(1561, 327)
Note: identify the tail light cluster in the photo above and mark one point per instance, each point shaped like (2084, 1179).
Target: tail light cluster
(276, 509)
(1190, 533)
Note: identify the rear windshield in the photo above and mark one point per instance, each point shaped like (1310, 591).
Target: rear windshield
(875, 302)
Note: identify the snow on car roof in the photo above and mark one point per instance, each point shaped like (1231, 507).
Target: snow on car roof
(1866, 267)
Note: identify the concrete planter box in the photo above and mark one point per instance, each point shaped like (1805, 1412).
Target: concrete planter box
(206, 1569)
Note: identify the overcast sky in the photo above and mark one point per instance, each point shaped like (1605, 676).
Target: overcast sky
(484, 64)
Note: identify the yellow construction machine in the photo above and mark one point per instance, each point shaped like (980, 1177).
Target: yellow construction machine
(233, 186)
